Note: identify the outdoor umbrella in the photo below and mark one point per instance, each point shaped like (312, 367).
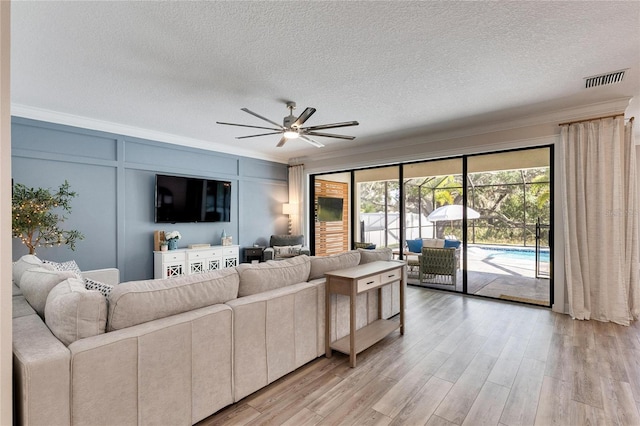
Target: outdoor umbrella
(451, 212)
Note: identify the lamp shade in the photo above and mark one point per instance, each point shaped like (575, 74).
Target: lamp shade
(287, 208)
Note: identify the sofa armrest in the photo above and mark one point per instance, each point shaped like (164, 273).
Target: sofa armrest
(268, 254)
(41, 369)
(109, 276)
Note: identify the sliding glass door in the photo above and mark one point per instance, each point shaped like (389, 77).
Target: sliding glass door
(508, 245)
(434, 193)
(476, 224)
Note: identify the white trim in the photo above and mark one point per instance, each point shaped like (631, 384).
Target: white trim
(33, 113)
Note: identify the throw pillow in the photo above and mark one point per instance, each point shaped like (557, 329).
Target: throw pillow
(71, 265)
(415, 246)
(451, 243)
(36, 284)
(287, 251)
(72, 312)
(103, 288)
(26, 262)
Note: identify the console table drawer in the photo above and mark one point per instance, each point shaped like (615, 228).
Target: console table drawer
(391, 276)
(172, 257)
(230, 251)
(202, 254)
(368, 283)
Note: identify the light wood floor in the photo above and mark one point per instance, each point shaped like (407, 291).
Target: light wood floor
(465, 361)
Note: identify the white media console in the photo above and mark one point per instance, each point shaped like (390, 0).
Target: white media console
(173, 263)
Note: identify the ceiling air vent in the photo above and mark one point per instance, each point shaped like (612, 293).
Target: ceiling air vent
(604, 79)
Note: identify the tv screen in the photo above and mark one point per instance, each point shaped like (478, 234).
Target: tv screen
(329, 209)
(182, 199)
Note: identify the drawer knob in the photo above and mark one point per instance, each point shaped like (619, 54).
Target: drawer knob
(370, 282)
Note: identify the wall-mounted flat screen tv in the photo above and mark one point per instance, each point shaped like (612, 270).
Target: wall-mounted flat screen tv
(329, 209)
(181, 199)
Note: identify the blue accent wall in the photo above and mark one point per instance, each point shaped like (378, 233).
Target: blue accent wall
(114, 176)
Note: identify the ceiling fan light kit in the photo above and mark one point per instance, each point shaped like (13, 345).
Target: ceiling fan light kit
(291, 127)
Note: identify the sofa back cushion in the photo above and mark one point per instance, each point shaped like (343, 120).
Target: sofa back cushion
(322, 264)
(72, 312)
(26, 262)
(433, 242)
(136, 302)
(258, 277)
(36, 283)
(367, 256)
(286, 240)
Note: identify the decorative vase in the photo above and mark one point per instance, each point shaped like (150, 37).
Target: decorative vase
(173, 244)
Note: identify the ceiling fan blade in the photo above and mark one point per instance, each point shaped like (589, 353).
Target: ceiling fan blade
(311, 141)
(332, 126)
(246, 125)
(279, 126)
(282, 142)
(261, 134)
(308, 112)
(329, 135)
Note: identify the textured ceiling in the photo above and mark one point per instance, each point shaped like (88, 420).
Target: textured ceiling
(178, 67)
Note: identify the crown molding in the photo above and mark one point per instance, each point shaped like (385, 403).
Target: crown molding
(41, 114)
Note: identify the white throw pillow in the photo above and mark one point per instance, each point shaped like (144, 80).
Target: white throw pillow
(287, 251)
(26, 262)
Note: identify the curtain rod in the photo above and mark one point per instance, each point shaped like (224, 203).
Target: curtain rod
(591, 119)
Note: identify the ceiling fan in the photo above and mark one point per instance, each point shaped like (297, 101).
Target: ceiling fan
(291, 127)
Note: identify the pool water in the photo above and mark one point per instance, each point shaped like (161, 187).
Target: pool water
(516, 253)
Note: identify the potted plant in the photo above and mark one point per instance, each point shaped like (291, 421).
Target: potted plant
(172, 239)
(37, 215)
(164, 245)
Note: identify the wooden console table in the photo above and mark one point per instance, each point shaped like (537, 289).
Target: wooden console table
(351, 282)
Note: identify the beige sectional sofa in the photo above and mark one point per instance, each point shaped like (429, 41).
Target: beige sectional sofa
(171, 351)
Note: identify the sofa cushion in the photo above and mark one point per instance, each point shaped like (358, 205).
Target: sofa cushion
(367, 256)
(259, 277)
(322, 264)
(26, 262)
(136, 302)
(286, 240)
(433, 242)
(72, 312)
(452, 243)
(36, 284)
(414, 246)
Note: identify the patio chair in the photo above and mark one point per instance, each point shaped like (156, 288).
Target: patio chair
(438, 266)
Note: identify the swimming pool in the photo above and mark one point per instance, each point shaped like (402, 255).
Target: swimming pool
(515, 253)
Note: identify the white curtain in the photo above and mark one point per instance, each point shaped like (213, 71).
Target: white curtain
(601, 220)
(296, 195)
